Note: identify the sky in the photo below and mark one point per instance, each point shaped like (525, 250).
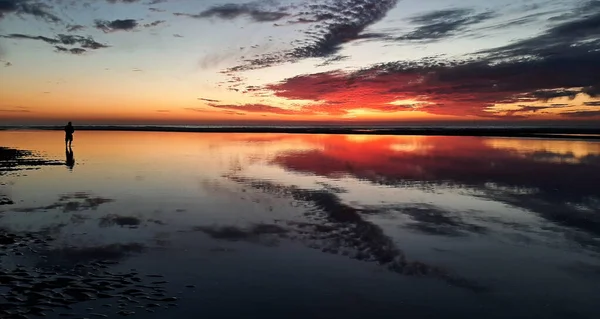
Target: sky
(299, 61)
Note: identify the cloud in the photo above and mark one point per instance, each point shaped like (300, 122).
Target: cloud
(232, 11)
(116, 25)
(75, 27)
(61, 40)
(30, 37)
(204, 110)
(122, 1)
(593, 103)
(583, 114)
(177, 35)
(208, 100)
(154, 24)
(441, 24)
(34, 8)
(339, 22)
(76, 51)
(156, 10)
(462, 88)
(16, 109)
(563, 61)
(580, 29)
(257, 108)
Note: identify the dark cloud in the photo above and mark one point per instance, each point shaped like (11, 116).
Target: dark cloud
(76, 51)
(122, 1)
(441, 24)
(529, 108)
(593, 103)
(231, 11)
(30, 37)
(208, 100)
(177, 35)
(581, 29)
(154, 24)
(60, 41)
(116, 25)
(34, 8)
(583, 114)
(156, 10)
(339, 22)
(85, 42)
(547, 95)
(75, 27)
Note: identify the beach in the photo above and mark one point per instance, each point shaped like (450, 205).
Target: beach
(151, 224)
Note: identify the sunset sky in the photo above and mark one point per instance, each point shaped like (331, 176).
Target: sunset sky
(291, 61)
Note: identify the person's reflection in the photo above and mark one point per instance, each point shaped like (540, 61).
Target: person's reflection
(70, 161)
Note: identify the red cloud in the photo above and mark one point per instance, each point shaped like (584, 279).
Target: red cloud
(466, 88)
(376, 90)
(257, 108)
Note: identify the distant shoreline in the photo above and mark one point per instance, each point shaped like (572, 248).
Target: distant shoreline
(531, 132)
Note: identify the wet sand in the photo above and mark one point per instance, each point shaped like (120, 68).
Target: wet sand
(273, 225)
(581, 132)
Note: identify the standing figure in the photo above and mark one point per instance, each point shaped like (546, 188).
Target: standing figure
(69, 130)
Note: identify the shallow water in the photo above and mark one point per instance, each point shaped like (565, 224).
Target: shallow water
(325, 226)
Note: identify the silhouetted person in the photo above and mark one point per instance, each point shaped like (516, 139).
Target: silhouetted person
(70, 161)
(69, 130)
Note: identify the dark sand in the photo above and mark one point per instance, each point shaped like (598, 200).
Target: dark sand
(48, 284)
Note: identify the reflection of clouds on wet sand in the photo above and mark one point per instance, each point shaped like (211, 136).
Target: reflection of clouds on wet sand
(571, 151)
(12, 160)
(79, 201)
(259, 233)
(341, 229)
(431, 220)
(112, 219)
(71, 255)
(562, 192)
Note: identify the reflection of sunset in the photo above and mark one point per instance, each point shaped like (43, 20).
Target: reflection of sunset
(380, 159)
(456, 160)
(575, 148)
